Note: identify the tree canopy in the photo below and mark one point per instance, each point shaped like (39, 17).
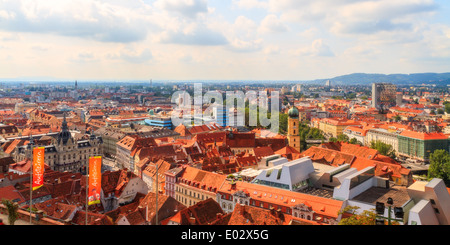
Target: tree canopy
(366, 217)
(383, 148)
(440, 166)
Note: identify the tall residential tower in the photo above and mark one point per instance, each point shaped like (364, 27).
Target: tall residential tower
(384, 95)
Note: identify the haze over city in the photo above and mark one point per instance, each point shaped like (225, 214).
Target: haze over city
(221, 40)
(176, 116)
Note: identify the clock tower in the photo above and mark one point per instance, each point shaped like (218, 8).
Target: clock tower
(293, 128)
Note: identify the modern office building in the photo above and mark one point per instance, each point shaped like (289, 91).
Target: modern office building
(158, 121)
(219, 114)
(384, 95)
(419, 145)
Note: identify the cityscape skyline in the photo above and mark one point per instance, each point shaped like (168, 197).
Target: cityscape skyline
(218, 113)
(239, 39)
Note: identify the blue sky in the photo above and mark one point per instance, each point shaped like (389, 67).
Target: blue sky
(221, 39)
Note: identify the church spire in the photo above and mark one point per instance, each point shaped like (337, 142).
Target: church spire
(64, 135)
(64, 123)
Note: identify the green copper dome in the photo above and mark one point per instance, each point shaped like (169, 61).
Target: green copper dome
(293, 112)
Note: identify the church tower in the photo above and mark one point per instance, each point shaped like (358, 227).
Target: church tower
(293, 126)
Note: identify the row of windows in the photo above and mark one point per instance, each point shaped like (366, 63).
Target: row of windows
(257, 204)
(191, 193)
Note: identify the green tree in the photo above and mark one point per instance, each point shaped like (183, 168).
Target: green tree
(343, 138)
(383, 148)
(447, 108)
(364, 218)
(440, 166)
(283, 127)
(12, 208)
(354, 141)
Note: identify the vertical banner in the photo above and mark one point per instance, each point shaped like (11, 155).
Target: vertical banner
(38, 167)
(95, 182)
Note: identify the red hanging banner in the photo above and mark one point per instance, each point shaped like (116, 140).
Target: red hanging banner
(95, 179)
(38, 167)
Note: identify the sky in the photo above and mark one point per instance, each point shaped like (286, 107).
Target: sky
(221, 39)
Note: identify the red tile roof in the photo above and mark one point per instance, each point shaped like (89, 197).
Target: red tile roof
(202, 213)
(359, 151)
(424, 135)
(328, 156)
(263, 151)
(211, 181)
(285, 198)
(236, 139)
(248, 215)
(10, 193)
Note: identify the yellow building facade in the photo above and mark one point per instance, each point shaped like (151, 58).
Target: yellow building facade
(293, 127)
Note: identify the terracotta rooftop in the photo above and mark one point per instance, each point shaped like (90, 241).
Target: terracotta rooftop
(357, 150)
(424, 135)
(236, 139)
(328, 156)
(209, 180)
(249, 215)
(202, 213)
(285, 198)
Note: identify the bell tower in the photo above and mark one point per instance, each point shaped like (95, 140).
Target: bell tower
(293, 126)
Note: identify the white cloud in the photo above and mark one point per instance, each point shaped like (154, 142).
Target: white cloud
(250, 4)
(271, 24)
(133, 56)
(97, 20)
(271, 50)
(243, 28)
(238, 45)
(84, 57)
(187, 8)
(193, 34)
(317, 49)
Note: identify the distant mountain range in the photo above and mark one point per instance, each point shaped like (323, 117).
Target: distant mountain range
(440, 79)
(399, 79)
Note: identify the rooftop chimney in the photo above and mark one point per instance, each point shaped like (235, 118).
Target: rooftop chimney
(219, 215)
(233, 185)
(272, 210)
(192, 221)
(242, 209)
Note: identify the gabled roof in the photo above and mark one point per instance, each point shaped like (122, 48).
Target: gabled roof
(328, 156)
(182, 130)
(202, 213)
(10, 193)
(93, 219)
(56, 208)
(249, 215)
(237, 139)
(263, 151)
(203, 178)
(287, 150)
(357, 150)
(167, 206)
